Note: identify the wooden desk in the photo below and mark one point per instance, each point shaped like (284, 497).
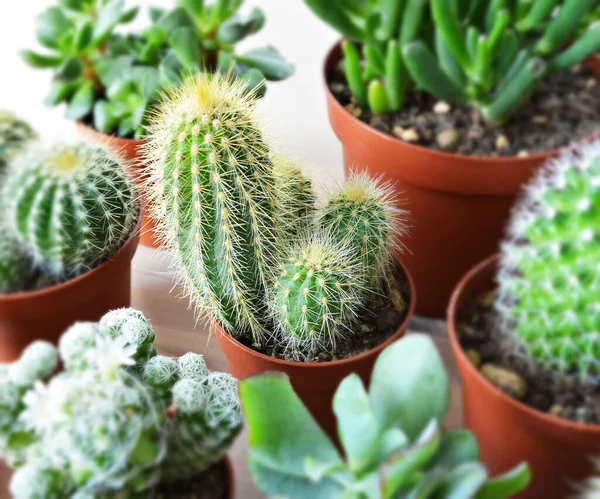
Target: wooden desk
(177, 333)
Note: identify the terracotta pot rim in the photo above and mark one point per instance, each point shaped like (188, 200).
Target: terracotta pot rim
(403, 326)
(368, 129)
(7, 299)
(109, 137)
(516, 405)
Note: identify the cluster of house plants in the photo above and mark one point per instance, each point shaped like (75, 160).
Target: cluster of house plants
(110, 81)
(70, 217)
(524, 329)
(119, 420)
(459, 102)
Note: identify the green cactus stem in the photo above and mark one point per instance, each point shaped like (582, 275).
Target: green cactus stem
(16, 263)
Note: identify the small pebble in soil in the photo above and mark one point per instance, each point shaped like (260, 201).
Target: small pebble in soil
(447, 139)
(556, 410)
(441, 107)
(502, 143)
(508, 381)
(410, 135)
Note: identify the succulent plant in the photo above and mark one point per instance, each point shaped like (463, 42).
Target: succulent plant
(73, 206)
(363, 215)
(319, 288)
(548, 276)
(214, 200)
(14, 135)
(16, 263)
(490, 54)
(101, 428)
(113, 80)
(392, 435)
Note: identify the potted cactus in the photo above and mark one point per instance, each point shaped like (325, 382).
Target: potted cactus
(288, 287)
(393, 436)
(110, 81)
(524, 330)
(120, 421)
(14, 135)
(69, 231)
(459, 102)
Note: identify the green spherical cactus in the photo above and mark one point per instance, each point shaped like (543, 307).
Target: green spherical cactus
(363, 213)
(212, 189)
(14, 135)
(207, 419)
(549, 291)
(72, 204)
(160, 373)
(75, 343)
(317, 293)
(192, 365)
(16, 263)
(38, 361)
(37, 482)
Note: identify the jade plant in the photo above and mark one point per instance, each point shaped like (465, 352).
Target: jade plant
(249, 245)
(548, 284)
(116, 422)
(112, 80)
(14, 135)
(73, 206)
(393, 436)
(489, 54)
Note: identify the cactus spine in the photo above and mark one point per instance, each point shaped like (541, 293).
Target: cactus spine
(72, 204)
(363, 214)
(549, 288)
(212, 186)
(14, 135)
(16, 263)
(317, 294)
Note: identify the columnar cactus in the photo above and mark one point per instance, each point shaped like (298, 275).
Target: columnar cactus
(72, 204)
(16, 263)
(363, 214)
(111, 426)
(213, 191)
(317, 293)
(14, 135)
(549, 288)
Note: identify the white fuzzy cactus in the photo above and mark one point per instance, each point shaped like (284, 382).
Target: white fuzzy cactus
(116, 422)
(549, 285)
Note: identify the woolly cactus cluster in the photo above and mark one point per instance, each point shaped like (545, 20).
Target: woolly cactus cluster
(72, 205)
(14, 135)
(251, 247)
(548, 278)
(117, 420)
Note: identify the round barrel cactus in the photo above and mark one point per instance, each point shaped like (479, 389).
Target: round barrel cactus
(317, 293)
(363, 213)
(73, 205)
(16, 263)
(14, 135)
(549, 285)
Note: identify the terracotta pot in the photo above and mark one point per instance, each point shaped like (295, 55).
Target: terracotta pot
(47, 313)
(315, 383)
(459, 204)
(130, 151)
(559, 452)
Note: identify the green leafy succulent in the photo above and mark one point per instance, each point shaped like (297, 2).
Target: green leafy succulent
(491, 54)
(111, 79)
(392, 435)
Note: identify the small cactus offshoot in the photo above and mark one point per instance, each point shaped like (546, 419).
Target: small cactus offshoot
(16, 263)
(319, 288)
(73, 205)
(111, 426)
(14, 135)
(549, 288)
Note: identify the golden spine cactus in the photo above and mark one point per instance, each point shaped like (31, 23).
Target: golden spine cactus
(214, 198)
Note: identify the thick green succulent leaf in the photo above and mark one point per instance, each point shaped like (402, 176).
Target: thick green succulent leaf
(457, 447)
(156, 35)
(110, 70)
(51, 27)
(377, 98)
(255, 82)
(269, 61)
(186, 46)
(452, 30)
(104, 119)
(129, 15)
(70, 69)
(358, 428)
(83, 36)
(82, 102)
(463, 481)
(126, 127)
(585, 46)
(412, 20)
(353, 71)
(537, 13)
(156, 13)
(41, 60)
(339, 18)
(239, 27)
(59, 92)
(169, 70)
(176, 19)
(281, 441)
(108, 18)
(506, 485)
(121, 89)
(409, 386)
(447, 61)
(147, 81)
(564, 25)
(194, 7)
(391, 14)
